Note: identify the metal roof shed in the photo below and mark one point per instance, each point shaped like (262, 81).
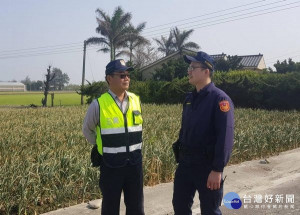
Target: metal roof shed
(12, 87)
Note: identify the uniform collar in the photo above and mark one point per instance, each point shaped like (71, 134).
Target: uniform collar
(204, 90)
(115, 96)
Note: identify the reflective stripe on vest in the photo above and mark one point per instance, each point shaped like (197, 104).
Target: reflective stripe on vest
(135, 147)
(118, 132)
(122, 149)
(121, 130)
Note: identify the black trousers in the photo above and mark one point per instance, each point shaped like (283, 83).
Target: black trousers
(188, 180)
(128, 179)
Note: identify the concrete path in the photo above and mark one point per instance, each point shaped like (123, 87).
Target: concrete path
(278, 175)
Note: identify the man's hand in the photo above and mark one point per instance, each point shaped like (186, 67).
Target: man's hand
(214, 180)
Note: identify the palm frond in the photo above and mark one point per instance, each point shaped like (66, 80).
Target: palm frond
(104, 50)
(192, 45)
(123, 53)
(180, 39)
(97, 41)
(141, 27)
(103, 15)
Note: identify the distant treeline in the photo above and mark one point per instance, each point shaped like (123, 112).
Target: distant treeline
(247, 89)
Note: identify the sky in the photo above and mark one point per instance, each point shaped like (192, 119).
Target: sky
(37, 33)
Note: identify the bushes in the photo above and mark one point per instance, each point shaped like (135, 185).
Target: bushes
(93, 90)
(248, 89)
(162, 92)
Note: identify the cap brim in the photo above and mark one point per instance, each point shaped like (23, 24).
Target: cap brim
(188, 59)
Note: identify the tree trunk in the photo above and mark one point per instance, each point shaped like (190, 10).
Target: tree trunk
(112, 53)
(52, 99)
(130, 57)
(47, 85)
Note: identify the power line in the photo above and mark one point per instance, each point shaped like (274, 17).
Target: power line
(220, 21)
(58, 50)
(41, 47)
(69, 48)
(209, 14)
(205, 14)
(44, 53)
(62, 46)
(40, 51)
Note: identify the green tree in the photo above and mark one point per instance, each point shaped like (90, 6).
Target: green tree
(37, 85)
(27, 83)
(166, 45)
(174, 68)
(60, 79)
(180, 40)
(114, 31)
(93, 90)
(49, 77)
(287, 66)
(232, 63)
(134, 40)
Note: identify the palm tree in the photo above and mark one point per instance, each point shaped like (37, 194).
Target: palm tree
(113, 30)
(134, 40)
(180, 40)
(165, 45)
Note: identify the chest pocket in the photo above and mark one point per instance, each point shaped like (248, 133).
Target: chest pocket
(137, 117)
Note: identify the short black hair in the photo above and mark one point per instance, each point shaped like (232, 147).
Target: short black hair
(204, 66)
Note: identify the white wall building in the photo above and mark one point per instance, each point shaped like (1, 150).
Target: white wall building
(12, 87)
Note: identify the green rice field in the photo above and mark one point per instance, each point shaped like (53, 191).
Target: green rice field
(61, 98)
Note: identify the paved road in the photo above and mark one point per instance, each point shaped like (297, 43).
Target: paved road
(279, 176)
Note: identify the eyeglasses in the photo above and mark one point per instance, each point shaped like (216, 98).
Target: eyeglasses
(122, 76)
(191, 68)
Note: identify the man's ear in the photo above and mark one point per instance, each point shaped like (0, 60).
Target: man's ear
(108, 79)
(207, 72)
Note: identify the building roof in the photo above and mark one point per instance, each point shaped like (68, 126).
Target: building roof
(251, 60)
(219, 56)
(247, 61)
(163, 59)
(16, 84)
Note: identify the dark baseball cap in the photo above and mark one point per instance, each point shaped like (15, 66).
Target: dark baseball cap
(118, 65)
(201, 57)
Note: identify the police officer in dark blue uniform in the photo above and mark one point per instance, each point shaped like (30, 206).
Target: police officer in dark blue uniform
(205, 140)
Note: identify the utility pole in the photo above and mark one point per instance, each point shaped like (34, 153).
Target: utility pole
(83, 69)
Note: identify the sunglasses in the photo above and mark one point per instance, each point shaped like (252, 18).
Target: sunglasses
(122, 76)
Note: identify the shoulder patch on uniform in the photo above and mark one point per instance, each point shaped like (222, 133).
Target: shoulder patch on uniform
(224, 106)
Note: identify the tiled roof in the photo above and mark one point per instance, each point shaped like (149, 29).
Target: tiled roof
(219, 56)
(248, 61)
(251, 60)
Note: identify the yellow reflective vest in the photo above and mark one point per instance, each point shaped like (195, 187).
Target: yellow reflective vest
(119, 136)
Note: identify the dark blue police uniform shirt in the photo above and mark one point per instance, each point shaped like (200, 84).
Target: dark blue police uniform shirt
(207, 128)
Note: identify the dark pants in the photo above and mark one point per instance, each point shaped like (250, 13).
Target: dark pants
(128, 179)
(187, 180)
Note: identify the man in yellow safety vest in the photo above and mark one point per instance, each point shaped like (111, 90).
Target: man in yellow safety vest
(114, 123)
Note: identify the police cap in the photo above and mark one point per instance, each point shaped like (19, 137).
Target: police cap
(201, 57)
(117, 66)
